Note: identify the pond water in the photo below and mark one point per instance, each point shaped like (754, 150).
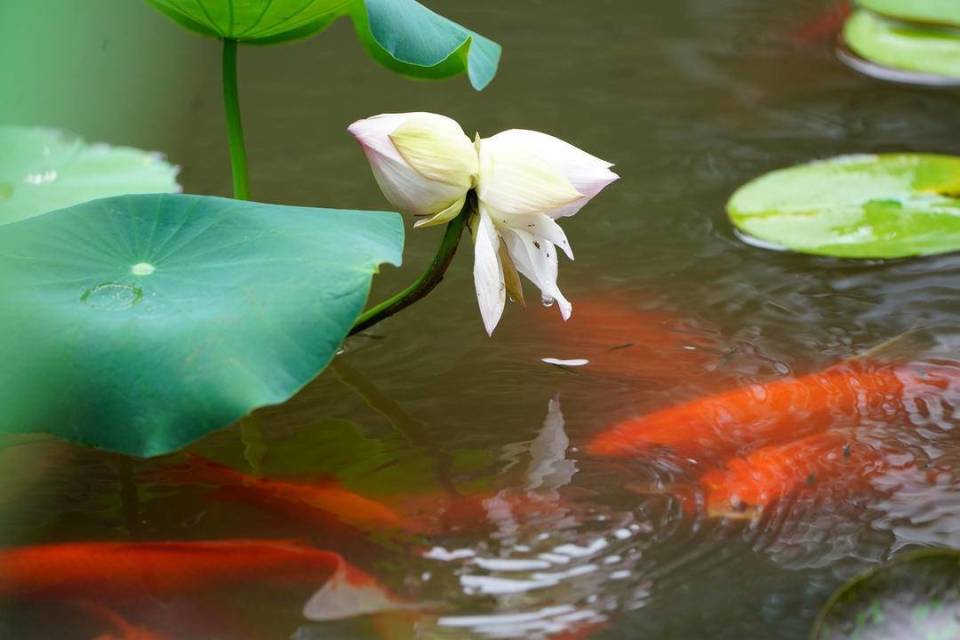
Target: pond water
(527, 534)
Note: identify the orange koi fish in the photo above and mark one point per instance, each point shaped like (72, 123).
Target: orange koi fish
(162, 568)
(623, 341)
(121, 628)
(746, 418)
(748, 485)
(823, 27)
(314, 503)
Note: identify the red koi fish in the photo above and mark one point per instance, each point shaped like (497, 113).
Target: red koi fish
(105, 569)
(824, 27)
(736, 421)
(747, 485)
(313, 503)
(623, 341)
(121, 629)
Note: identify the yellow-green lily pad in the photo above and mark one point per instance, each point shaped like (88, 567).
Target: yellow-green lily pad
(916, 48)
(944, 12)
(859, 206)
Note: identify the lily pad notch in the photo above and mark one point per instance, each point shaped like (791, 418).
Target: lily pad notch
(138, 324)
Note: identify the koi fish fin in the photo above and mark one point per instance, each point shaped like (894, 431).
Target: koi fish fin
(348, 593)
(121, 628)
(898, 349)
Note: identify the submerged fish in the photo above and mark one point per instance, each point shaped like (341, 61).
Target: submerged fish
(734, 422)
(623, 341)
(121, 629)
(316, 503)
(824, 26)
(108, 569)
(745, 486)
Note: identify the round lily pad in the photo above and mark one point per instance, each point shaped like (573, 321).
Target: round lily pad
(943, 12)
(909, 47)
(860, 206)
(46, 169)
(403, 35)
(140, 323)
(916, 596)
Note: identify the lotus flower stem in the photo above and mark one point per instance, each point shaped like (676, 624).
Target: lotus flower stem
(231, 104)
(427, 282)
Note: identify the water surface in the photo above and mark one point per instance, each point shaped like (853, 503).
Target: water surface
(690, 99)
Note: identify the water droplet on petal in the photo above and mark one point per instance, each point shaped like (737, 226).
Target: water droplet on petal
(547, 301)
(112, 296)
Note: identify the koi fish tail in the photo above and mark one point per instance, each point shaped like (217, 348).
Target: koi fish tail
(351, 592)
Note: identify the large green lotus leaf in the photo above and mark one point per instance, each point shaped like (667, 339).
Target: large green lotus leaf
(403, 35)
(933, 11)
(46, 169)
(916, 597)
(408, 38)
(140, 323)
(862, 206)
(254, 21)
(927, 50)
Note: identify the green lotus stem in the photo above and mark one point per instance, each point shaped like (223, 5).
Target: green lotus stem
(231, 105)
(413, 432)
(427, 282)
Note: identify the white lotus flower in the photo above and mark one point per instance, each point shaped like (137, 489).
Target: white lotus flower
(424, 163)
(526, 181)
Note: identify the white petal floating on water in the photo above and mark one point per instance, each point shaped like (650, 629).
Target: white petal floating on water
(574, 362)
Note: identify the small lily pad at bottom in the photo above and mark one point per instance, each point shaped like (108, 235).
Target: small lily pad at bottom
(140, 323)
(915, 597)
(861, 206)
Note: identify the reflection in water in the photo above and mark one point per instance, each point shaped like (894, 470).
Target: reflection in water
(521, 530)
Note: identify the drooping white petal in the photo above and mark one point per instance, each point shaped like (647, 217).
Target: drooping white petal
(588, 174)
(487, 272)
(514, 180)
(415, 189)
(538, 225)
(536, 259)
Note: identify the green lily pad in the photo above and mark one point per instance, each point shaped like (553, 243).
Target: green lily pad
(916, 596)
(140, 323)
(403, 35)
(255, 21)
(46, 169)
(861, 206)
(945, 12)
(927, 50)
(408, 38)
